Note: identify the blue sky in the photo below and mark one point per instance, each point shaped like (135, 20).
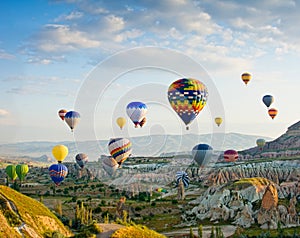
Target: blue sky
(49, 49)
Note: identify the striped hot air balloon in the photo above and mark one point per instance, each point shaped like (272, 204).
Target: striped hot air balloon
(120, 149)
(81, 159)
(110, 165)
(246, 77)
(58, 172)
(272, 112)
(182, 175)
(62, 113)
(136, 112)
(72, 118)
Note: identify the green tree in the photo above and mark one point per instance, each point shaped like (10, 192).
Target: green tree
(212, 233)
(200, 231)
(191, 233)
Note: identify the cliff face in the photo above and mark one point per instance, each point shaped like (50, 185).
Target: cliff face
(22, 216)
(287, 144)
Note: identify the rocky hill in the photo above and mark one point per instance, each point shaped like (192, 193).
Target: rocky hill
(21, 216)
(287, 144)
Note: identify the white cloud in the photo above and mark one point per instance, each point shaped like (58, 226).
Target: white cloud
(4, 113)
(72, 16)
(5, 55)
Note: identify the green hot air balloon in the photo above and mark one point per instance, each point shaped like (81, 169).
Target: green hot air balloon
(11, 171)
(22, 170)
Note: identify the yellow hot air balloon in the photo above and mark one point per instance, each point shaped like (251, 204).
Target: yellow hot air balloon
(246, 77)
(218, 120)
(60, 152)
(121, 121)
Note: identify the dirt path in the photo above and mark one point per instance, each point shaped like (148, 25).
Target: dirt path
(108, 229)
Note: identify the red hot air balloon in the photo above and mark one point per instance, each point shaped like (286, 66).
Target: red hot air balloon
(272, 112)
(230, 155)
(62, 113)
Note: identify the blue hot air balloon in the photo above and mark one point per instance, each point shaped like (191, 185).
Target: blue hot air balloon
(136, 112)
(202, 154)
(72, 118)
(58, 172)
(268, 100)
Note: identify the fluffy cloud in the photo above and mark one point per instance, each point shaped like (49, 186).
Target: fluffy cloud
(3, 113)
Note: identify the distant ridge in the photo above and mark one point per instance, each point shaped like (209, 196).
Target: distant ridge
(153, 145)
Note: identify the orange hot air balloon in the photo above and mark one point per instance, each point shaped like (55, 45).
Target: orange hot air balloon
(246, 77)
(272, 112)
(62, 113)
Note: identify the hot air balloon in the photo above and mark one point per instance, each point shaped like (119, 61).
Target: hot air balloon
(142, 123)
(121, 121)
(110, 165)
(81, 159)
(161, 190)
(187, 98)
(11, 171)
(58, 172)
(182, 175)
(22, 170)
(268, 100)
(136, 112)
(218, 120)
(246, 77)
(231, 155)
(260, 143)
(62, 113)
(120, 149)
(72, 118)
(272, 112)
(60, 152)
(202, 153)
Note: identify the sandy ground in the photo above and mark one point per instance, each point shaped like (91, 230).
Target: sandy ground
(108, 230)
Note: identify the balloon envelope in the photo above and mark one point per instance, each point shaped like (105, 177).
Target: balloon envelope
(11, 171)
(136, 112)
(81, 159)
(58, 172)
(121, 121)
(260, 143)
(120, 149)
(218, 120)
(62, 113)
(230, 155)
(202, 153)
(72, 118)
(187, 98)
(182, 175)
(246, 77)
(268, 100)
(143, 122)
(110, 165)
(22, 170)
(60, 152)
(272, 112)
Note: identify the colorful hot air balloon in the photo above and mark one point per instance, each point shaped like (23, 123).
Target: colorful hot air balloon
(260, 143)
(72, 118)
(81, 159)
(218, 120)
(22, 170)
(272, 112)
(121, 121)
(231, 156)
(136, 112)
(187, 98)
(161, 190)
(62, 113)
(110, 165)
(202, 154)
(60, 152)
(120, 149)
(11, 171)
(182, 175)
(58, 172)
(268, 100)
(143, 122)
(246, 77)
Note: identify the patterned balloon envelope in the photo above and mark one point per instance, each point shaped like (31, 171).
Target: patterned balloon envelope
(120, 149)
(182, 175)
(58, 172)
(62, 113)
(110, 165)
(72, 118)
(230, 155)
(81, 159)
(260, 143)
(187, 98)
(272, 112)
(136, 112)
